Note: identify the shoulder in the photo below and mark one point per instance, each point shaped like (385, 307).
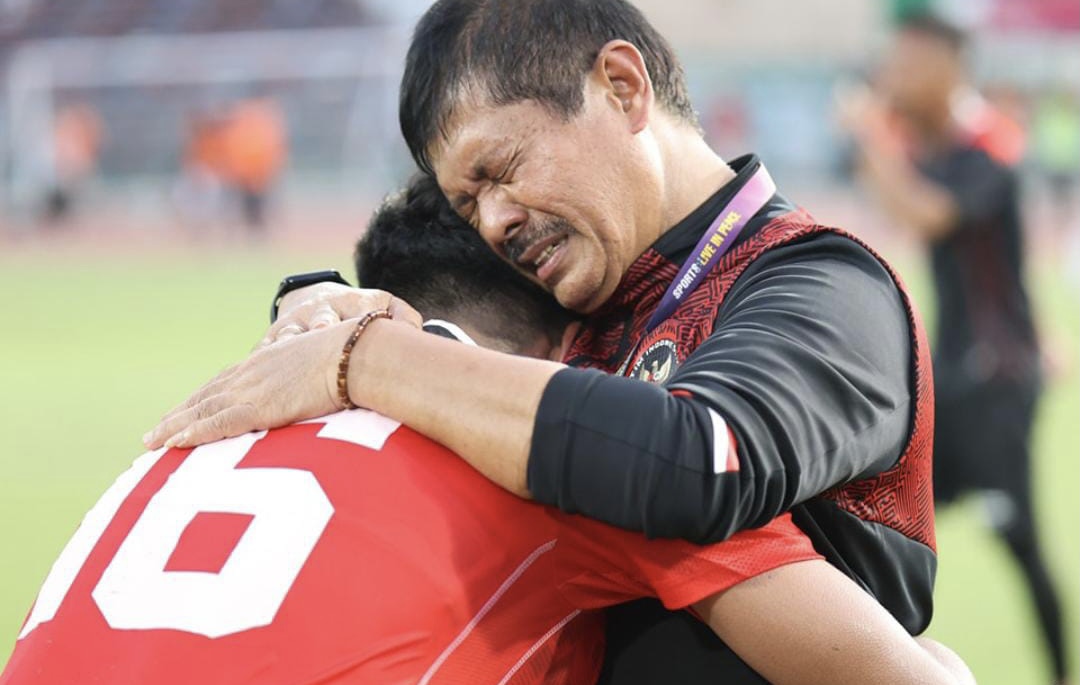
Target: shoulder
(826, 264)
(968, 163)
(825, 294)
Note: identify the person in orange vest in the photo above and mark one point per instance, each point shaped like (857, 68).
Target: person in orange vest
(254, 153)
(77, 137)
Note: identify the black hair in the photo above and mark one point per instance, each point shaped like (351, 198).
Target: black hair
(933, 26)
(419, 249)
(516, 50)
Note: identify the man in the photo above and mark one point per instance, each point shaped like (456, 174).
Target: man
(794, 371)
(939, 168)
(350, 549)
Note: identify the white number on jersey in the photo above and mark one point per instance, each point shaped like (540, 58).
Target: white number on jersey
(290, 511)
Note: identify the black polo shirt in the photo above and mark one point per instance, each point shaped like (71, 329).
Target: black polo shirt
(984, 327)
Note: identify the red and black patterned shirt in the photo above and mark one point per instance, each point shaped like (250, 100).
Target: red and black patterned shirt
(796, 377)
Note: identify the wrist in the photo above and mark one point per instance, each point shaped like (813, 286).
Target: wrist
(351, 376)
(368, 358)
(341, 333)
(296, 282)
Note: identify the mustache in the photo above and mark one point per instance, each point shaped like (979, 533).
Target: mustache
(534, 232)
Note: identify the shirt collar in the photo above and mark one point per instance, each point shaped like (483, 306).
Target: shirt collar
(449, 330)
(645, 282)
(682, 237)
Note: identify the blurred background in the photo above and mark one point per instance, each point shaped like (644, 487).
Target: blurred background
(164, 162)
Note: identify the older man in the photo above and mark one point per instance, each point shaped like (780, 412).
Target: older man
(788, 370)
(347, 549)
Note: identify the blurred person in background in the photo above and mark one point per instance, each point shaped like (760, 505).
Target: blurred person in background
(232, 160)
(76, 144)
(197, 195)
(942, 162)
(255, 149)
(1057, 152)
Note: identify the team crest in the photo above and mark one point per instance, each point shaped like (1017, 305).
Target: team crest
(657, 364)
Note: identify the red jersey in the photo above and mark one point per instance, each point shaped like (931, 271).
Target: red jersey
(348, 550)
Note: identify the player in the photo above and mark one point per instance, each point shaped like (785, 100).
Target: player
(943, 165)
(737, 359)
(350, 549)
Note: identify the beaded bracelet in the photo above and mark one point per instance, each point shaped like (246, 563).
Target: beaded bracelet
(346, 354)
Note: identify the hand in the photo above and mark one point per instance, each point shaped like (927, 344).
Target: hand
(863, 115)
(325, 304)
(293, 380)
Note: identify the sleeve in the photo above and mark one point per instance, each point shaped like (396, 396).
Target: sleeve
(981, 188)
(599, 566)
(807, 373)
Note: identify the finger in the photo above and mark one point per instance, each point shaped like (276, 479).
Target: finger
(291, 329)
(326, 310)
(285, 333)
(215, 386)
(182, 417)
(228, 423)
(274, 333)
(324, 317)
(296, 317)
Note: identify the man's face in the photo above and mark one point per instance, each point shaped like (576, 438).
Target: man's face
(919, 74)
(565, 202)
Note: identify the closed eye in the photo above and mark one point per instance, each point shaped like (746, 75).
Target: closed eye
(501, 176)
(465, 207)
(462, 204)
(511, 165)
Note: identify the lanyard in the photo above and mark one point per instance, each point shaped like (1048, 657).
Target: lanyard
(717, 240)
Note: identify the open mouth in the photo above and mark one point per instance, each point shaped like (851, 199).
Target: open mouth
(543, 256)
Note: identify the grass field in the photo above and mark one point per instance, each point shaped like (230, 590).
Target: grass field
(95, 348)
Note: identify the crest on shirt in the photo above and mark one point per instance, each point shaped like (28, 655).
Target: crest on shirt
(657, 364)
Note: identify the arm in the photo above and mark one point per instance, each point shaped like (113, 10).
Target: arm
(883, 165)
(806, 623)
(908, 196)
(808, 367)
(961, 190)
(479, 403)
(475, 401)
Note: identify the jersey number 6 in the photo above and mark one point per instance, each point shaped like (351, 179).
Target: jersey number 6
(290, 510)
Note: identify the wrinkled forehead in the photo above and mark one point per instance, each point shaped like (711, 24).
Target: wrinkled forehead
(477, 132)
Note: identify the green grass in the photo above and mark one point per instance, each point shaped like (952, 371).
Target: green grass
(94, 349)
(983, 610)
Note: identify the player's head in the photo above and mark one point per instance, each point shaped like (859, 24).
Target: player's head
(546, 122)
(924, 66)
(419, 249)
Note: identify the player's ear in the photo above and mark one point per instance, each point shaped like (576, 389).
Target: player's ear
(558, 352)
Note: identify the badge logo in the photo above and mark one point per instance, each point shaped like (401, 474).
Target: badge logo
(658, 363)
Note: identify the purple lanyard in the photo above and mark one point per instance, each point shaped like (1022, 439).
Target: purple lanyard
(717, 240)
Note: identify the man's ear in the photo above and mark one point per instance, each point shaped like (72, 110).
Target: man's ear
(620, 70)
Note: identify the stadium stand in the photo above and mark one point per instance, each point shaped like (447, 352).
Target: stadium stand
(148, 66)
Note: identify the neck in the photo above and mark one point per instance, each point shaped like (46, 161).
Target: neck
(693, 173)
